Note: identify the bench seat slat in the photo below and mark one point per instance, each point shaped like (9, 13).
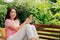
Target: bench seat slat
(49, 31)
(51, 37)
(48, 34)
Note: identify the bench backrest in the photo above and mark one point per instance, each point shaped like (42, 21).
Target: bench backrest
(48, 32)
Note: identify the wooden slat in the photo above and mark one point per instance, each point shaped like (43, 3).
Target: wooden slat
(48, 37)
(42, 39)
(49, 31)
(48, 34)
(46, 26)
(53, 29)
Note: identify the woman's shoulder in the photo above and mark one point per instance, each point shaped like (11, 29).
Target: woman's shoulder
(7, 20)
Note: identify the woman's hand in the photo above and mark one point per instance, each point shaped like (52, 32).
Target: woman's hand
(28, 20)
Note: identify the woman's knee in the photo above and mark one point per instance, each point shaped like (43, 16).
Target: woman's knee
(33, 26)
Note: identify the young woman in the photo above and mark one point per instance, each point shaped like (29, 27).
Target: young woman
(15, 31)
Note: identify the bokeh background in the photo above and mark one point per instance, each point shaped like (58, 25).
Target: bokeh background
(43, 11)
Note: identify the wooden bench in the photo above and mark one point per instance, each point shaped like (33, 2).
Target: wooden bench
(48, 32)
(2, 34)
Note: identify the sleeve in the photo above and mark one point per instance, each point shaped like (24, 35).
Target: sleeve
(8, 23)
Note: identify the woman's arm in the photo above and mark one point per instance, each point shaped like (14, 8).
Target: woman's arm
(16, 29)
(12, 26)
(27, 21)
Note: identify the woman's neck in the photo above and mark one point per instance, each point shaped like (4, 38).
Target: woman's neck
(11, 19)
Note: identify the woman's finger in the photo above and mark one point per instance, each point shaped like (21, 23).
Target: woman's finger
(31, 17)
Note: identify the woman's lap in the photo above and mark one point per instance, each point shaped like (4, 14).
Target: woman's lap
(26, 31)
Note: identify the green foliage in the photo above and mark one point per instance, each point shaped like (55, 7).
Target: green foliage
(58, 1)
(3, 11)
(45, 12)
(53, 1)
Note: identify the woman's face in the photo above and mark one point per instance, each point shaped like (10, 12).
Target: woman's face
(12, 13)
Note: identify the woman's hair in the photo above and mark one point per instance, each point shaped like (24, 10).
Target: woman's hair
(8, 13)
